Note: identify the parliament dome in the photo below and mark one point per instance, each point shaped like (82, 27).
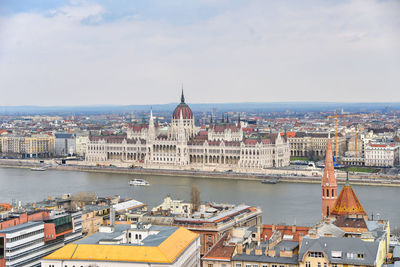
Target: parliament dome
(184, 108)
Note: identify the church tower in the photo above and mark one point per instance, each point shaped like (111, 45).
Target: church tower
(328, 183)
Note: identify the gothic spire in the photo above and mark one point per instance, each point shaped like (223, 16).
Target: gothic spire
(238, 124)
(182, 96)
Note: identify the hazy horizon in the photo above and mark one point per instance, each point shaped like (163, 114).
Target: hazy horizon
(207, 103)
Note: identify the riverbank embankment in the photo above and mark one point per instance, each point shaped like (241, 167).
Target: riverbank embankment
(355, 179)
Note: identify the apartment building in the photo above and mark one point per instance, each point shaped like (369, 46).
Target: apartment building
(381, 155)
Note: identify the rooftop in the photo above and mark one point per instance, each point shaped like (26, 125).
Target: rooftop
(336, 249)
(164, 247)
(20, 227)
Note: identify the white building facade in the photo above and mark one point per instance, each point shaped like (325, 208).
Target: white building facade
(184, 145)
(381, 155)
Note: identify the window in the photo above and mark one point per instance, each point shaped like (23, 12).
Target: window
(308, 264)
(360, 256)
(325, 264)
(274, 265)
(248, 265)
(334, 265)
(210, 265)
(265, 265)
(255, 265)
(315, 254)
(2, 247)
(336, 254)
(238, 265)
(319, 264)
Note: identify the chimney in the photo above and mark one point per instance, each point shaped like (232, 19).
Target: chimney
(258, 251)
(202, 216)
(312, 234)
(300, 239)
(248, 250)
(112, 216)
(294, 229)
(239, 248)
(271, 253)
(273, 228)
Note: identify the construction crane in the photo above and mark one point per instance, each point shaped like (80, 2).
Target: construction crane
(336, 116)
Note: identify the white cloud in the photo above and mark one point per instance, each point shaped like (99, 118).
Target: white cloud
(265, 51)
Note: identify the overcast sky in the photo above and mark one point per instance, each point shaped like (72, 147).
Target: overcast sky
(140, 52)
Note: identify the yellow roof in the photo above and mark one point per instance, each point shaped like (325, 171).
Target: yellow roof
(166, 252)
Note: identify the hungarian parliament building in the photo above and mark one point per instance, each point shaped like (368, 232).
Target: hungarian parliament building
(182, 144)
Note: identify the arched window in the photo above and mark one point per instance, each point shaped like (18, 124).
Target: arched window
(327, 211)
(333, 190)
(327, 192)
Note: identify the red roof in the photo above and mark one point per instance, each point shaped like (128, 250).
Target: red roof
(250, 141)
(290, 134)
(295, 231)
(186, 112)
(347, 203)
(139, 127)
(220, 250)
(378, 145)
(223, 127)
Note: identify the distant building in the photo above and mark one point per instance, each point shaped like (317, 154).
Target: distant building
(183, 144)
(131, 245)
(65, 144)
(381, 155)
(34, 146)
(81, 142)
(312, 145)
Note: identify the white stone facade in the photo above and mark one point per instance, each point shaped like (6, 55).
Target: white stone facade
(184, 145)
(381, 155)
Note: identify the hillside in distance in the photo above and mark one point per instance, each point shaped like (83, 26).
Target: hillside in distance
(204, 107)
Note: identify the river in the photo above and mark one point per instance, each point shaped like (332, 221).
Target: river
(290, 203)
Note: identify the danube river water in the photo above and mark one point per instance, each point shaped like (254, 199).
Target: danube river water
(284, 202)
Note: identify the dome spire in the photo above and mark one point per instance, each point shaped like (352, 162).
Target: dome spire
(182, 96)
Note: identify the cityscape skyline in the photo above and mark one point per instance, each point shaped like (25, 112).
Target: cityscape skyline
(94, 52)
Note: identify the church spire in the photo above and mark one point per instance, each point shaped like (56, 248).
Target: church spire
(182, 96)
(328, 183)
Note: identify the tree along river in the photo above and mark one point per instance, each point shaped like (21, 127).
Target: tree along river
(290, 203)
